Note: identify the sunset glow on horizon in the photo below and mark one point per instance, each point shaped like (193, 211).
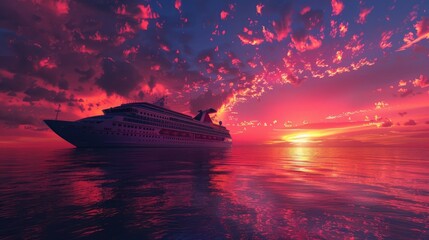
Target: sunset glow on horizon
(294, 73)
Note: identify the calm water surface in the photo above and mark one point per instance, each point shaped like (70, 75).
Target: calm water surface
(238, 193)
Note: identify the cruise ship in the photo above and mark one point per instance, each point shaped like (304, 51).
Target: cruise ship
(143, 124)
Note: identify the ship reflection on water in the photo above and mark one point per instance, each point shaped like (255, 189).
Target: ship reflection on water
(239, 192)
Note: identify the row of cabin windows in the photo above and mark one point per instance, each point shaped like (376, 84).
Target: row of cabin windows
(176, 126)
(167, 118)
(163, 117)
(166, 111)
(132, 126)
(152, 138)
(174, 120)
(197, 136)
(146, 136)
(153, 115)
(139, 135)
(129, 134)
(187, 135)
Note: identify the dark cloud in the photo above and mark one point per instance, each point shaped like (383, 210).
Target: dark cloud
(410, 123)
(141, 95)
(208, 100)
(16, 84)
(402, 114)
(405, 92)
(180, 77)
(102, 5)
(313, 19)
(150, 56)
(299, 35)
(118, 77)
(85, 75)
(13, 117)
(151, 83)
(25, 56)
(37, 93)
(50, 76)
(85, 43)
(5, 36)
(63, 84)
(387, 124)
(214, 64)
(205, 56)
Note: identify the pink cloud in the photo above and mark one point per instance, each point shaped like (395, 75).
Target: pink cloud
(422, 82)
(404, 92)
(380, 105)
(126, 29)
(121, 10)
(98, 37)
(364, 14)
(247, 40)
(355, 44)
(343, 29)
(146, 12)
(385, 40)
(305, 10)
(224, 15)
(62, 7)
(132, 50)
(269, 36)
(337, 7)
(283, 27)
(178, 5)
(164, 47)
(422, 30)
(422, 27)
(402, 83)
(6, 74)
(328, 125)
(305, 43)
(252, 64)
(259, 9)
(144, 24)
(84, 49)
(47, 63)
(338, 57)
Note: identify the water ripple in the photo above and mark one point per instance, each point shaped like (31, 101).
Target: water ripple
(242, 192)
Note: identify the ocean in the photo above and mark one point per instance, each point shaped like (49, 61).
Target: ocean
(243, 192)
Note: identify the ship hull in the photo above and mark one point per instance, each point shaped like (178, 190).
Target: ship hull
(83, 135)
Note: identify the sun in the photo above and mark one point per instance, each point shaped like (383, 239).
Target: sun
(303, 138)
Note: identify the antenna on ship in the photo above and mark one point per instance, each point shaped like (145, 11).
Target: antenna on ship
(58, 111)
(161, 101)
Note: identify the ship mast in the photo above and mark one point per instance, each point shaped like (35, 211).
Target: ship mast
(58, 111)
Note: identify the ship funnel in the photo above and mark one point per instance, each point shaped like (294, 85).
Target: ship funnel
(203, 115)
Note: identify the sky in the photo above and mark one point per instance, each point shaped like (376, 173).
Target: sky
(323, 73)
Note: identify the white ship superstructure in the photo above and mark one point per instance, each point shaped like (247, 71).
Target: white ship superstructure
(143, 125)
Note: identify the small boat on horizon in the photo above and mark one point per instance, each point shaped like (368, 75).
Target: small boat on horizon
(143, 124)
